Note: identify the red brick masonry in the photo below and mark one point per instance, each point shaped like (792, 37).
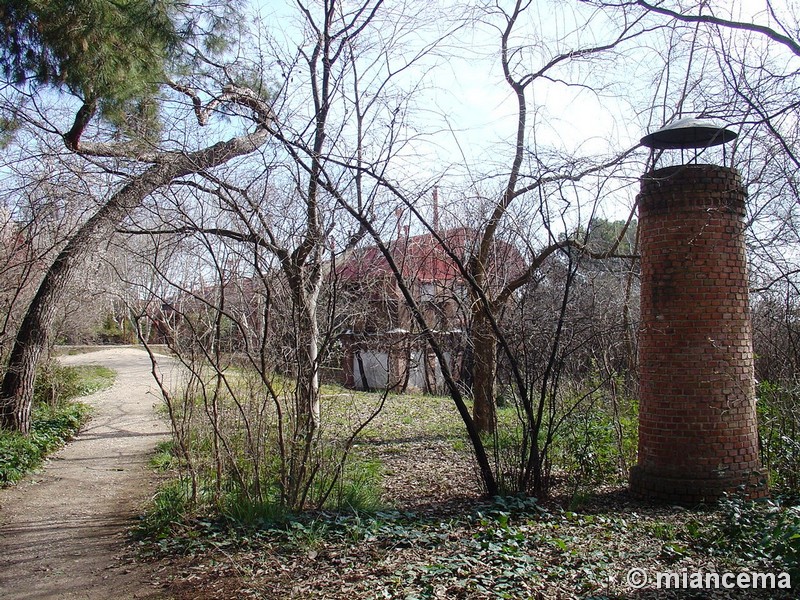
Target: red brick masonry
(697, 417)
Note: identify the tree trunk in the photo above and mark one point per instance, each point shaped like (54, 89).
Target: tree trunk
(308, 390)
(484, 349)
(311, 378)
(307, 397)
(16, 392)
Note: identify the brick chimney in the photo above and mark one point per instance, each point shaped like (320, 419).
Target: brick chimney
(697, 418)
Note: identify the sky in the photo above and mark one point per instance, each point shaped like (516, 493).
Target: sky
(466, 114)
(465, 100)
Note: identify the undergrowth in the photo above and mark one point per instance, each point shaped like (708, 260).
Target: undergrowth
(51, 428)
(172, 511)
(500, 548)
(580, 543)
(55, 419)
(764, 532)
(56, 383)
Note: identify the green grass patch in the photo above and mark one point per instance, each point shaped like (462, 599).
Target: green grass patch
(57, 383)
(92, 379)
(169, 508)
(165, 457)
(172, 512)
(56, 418)
(51, 428)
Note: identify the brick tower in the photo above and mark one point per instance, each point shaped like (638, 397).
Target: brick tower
(697, 423)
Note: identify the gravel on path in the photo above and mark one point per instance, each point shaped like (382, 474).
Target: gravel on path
(63, 530)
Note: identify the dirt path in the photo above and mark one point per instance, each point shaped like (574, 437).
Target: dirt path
(63, 530)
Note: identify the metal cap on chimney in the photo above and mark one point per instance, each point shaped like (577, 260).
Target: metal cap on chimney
(687, 133)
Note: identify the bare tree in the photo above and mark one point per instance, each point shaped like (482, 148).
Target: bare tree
(44, 202)
(736, 63)
(275, 225)
(524, 178)
(141, 166)
(489, 295)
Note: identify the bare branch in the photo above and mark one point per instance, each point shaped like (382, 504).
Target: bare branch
(262, 113)
(775, 36)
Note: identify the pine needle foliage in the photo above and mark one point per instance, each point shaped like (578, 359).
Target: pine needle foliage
(105, 52)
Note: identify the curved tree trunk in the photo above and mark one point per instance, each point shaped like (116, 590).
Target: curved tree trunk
(16, 392)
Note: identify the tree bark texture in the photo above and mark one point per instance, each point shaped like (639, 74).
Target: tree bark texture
(308, 386)
(484, 349)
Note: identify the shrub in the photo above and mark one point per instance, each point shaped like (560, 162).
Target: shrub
(779, 431)
(51, 428)
(597, 441)
(56, 383)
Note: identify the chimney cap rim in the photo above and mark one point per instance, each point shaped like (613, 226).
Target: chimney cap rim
(688, 133)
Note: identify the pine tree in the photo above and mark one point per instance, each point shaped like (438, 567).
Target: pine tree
(111, 55)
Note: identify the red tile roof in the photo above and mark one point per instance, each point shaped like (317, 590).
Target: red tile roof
(423, 259)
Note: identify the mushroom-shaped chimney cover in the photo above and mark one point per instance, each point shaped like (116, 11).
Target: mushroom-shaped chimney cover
(688, 133)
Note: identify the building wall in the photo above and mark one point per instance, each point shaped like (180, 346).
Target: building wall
(399, 360)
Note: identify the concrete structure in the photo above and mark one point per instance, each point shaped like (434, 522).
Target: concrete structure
(697, 424)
